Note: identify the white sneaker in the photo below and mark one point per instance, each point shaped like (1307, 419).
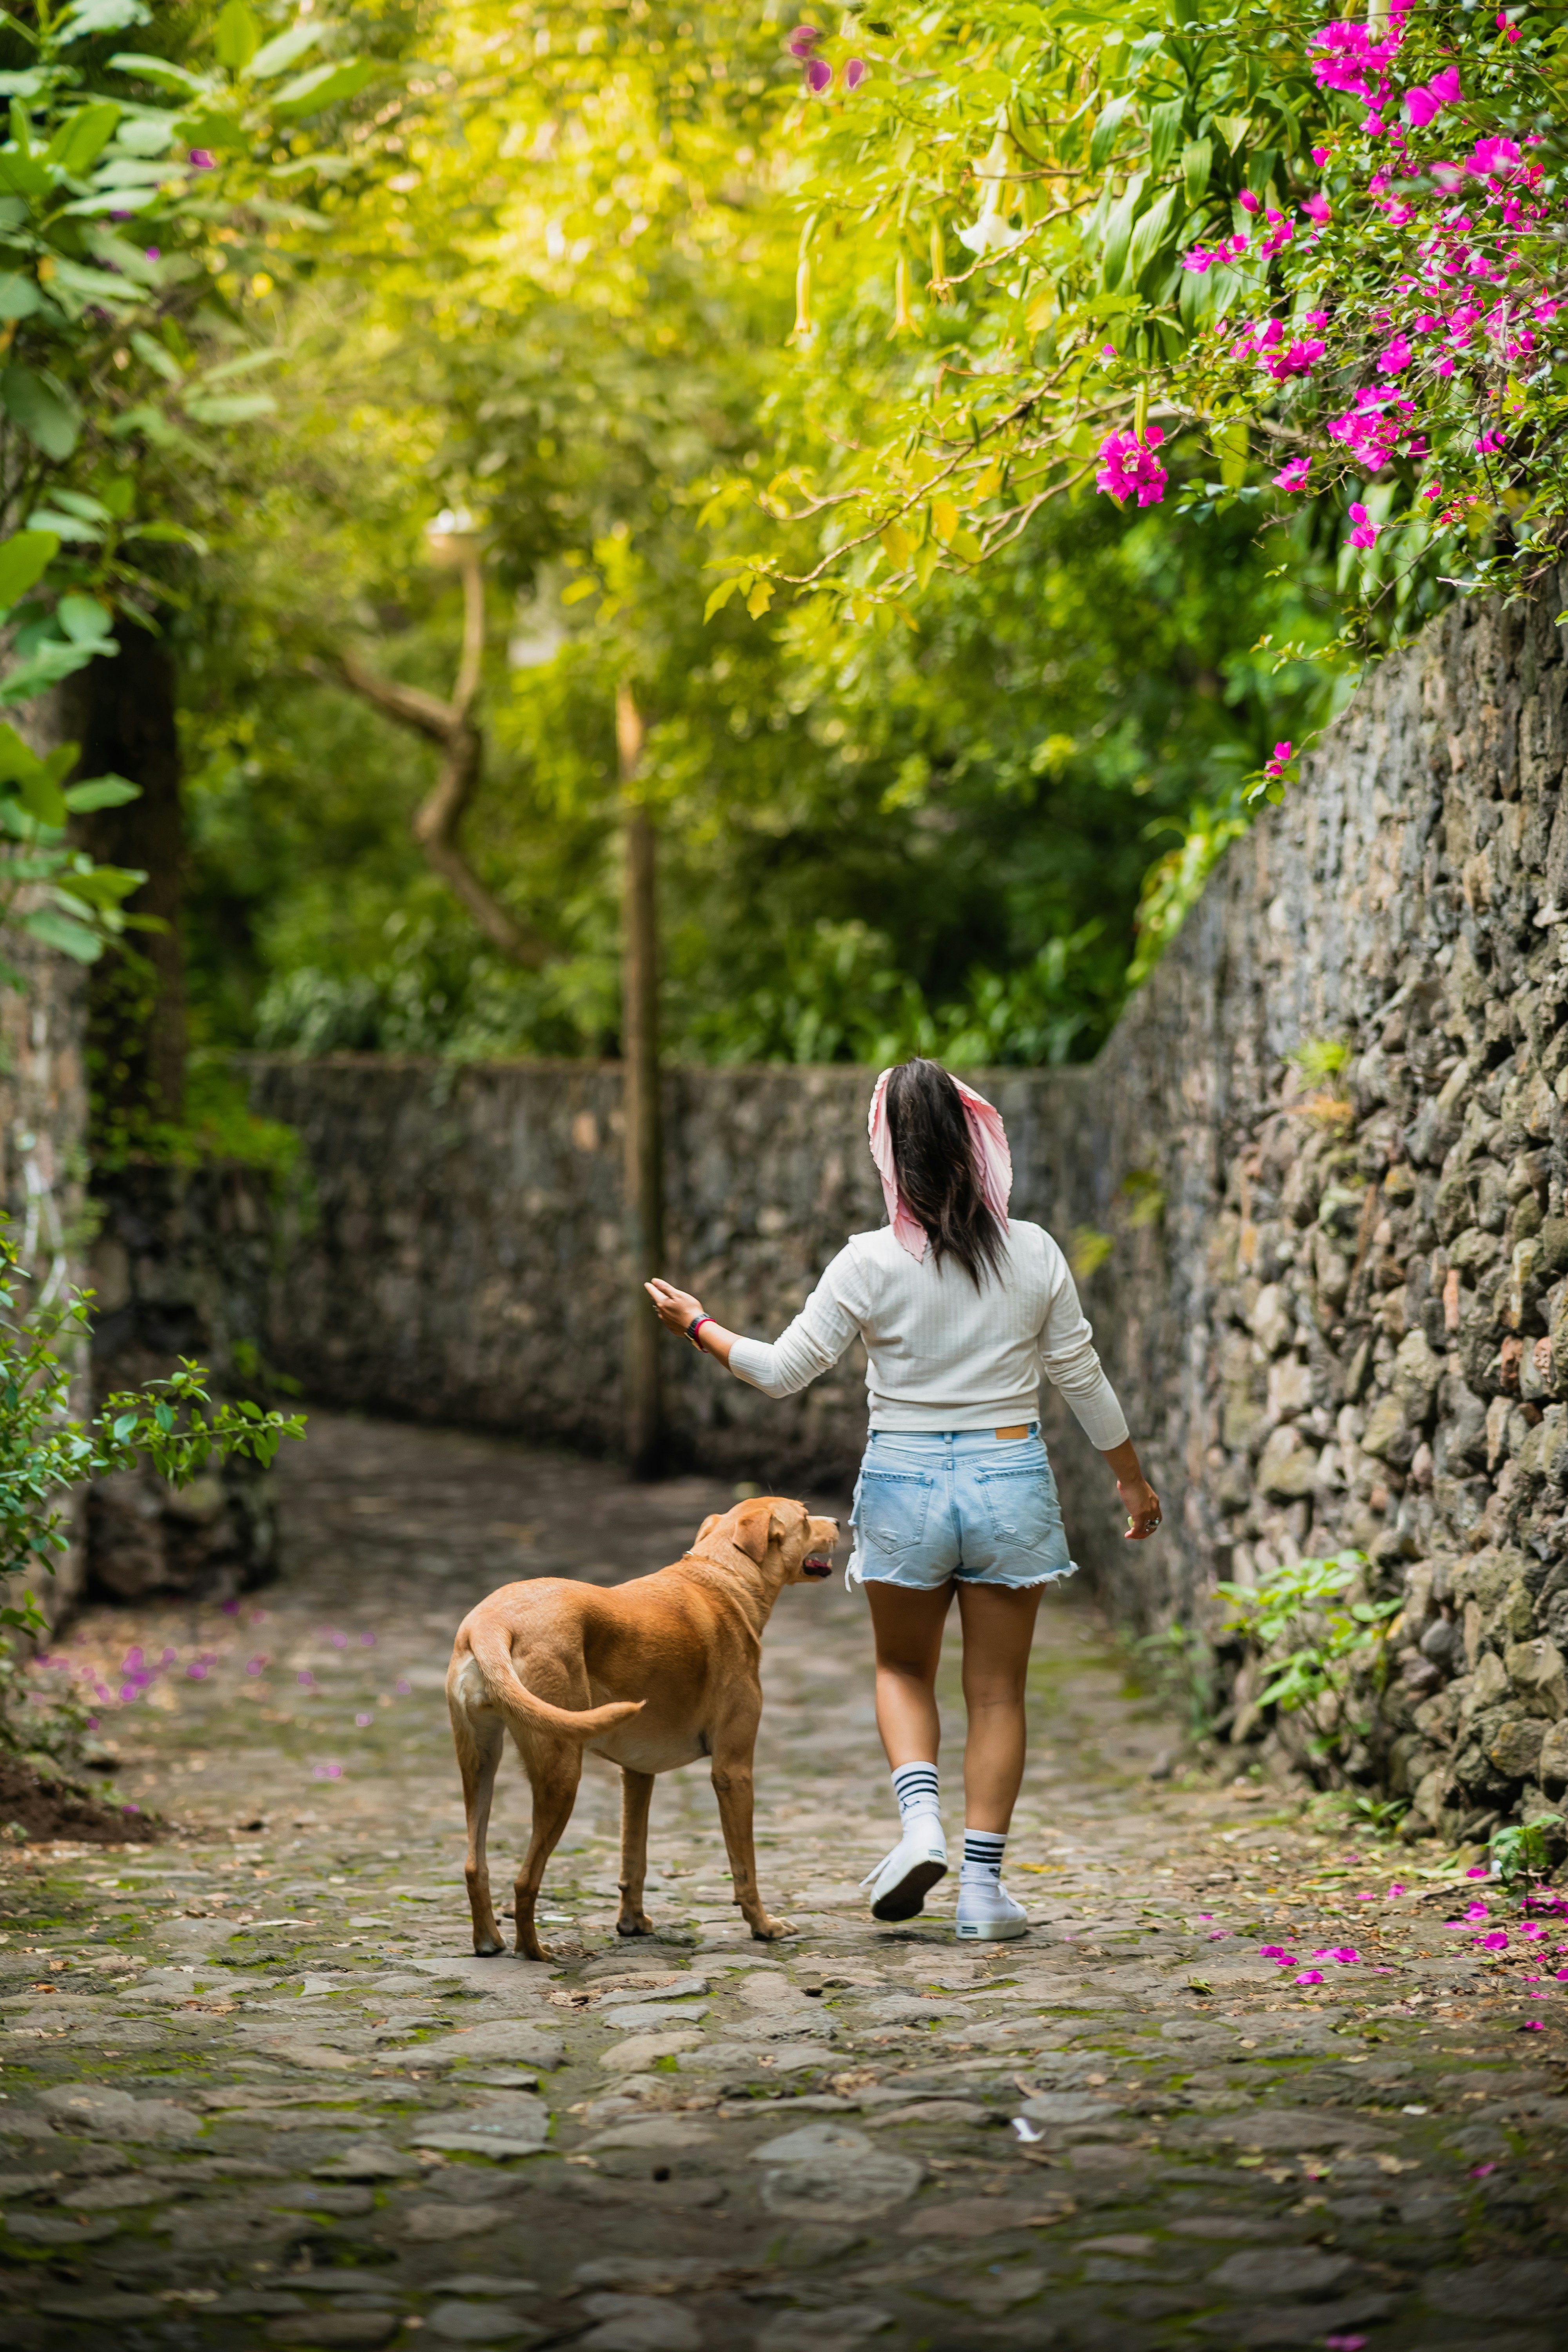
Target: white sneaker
(900, 1884)
(988, 1915)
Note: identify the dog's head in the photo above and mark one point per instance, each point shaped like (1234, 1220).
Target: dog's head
(775, 1533)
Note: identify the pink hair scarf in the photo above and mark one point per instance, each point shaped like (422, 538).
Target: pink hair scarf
(993, 1161)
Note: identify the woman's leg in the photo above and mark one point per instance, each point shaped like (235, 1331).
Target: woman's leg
(908, 1625)
(998, 1622)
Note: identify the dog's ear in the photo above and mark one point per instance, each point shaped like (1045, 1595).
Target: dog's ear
(711, 1521)
(754, 1525)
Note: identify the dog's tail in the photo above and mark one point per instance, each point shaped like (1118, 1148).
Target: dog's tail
(491, 1648)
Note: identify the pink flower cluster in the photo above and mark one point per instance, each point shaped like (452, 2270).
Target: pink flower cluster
(818, 72)
(1128, 468)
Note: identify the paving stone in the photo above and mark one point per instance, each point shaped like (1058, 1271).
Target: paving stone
(649, 2015)
(1298, 2270)
(636, 2323)
(481, 2323)
(115, 2115)
(334, 2328)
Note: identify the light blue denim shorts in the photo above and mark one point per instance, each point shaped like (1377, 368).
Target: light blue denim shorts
(962, 1503)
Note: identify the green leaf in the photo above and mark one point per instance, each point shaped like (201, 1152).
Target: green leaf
(42, 408)
(1105, 132)
(132, 61)
(41, 796)
(323, 86)
(25, 175)
(228, 408)
(1119, 229)
(964, 544)
(94, 285)
(65, 526)
(19, 297)
(1233, 128)
(82, 137)
(721, 597)
(276, 55)
(88, 19)
(1165, 130)
(1197, 161)
(24, 557)
(18, 760)
(156, 355)
(58, 930)
(101, 791)
(237, 37)
(85, 621)
(1147, 235)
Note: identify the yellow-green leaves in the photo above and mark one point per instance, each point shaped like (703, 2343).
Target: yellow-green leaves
(43, 409)
(82, 137)
(1105, 131)
(237, 37)
(1197, 162)
(24, 558)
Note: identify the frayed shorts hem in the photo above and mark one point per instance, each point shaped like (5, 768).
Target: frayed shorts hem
(855, 1574)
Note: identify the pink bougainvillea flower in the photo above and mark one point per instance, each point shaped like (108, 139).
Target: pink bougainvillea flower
(1281, 232)
(1476, 1910)
(1532, 2025)
(801, 41)
(201, 158)
(1308, 1976)
(1491, 155)
(818, 76)
(1479, 2171)
(1394, 357)
(305, 1678)
(361, 1721)
(1109, 351)
(1128, 466)
(1248, 202)
(1365, 533)
(1343, 2343)
(855, 73)
(1275, 767)
(1272, 1952)
(1294, 476)
(1506, 25)
(1318, 208)
(367, 1641)
(231, 1608)
(1496, 1942)
(326, 1773)
(1319, 156)
(1199, 258)
(1533, 1930)
(1490, 440)
(1299, 359)
(338, 1641)
(402, 1687)
(1444, 86)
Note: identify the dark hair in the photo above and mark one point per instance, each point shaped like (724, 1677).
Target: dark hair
(934, 1162)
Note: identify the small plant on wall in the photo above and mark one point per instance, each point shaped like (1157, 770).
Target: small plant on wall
(1315, 1636)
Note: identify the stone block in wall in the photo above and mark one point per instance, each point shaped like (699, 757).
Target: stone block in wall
(1536, 1670)
(182, 1263)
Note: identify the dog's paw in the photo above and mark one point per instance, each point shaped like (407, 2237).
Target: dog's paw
(486, 1947)
(532, 1949)
(639, 1924)
(767, 1929)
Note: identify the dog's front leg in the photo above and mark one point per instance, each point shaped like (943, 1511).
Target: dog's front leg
(732, 1787)
(636, 1795)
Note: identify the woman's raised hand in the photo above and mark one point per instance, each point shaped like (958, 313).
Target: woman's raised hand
(674, 1307)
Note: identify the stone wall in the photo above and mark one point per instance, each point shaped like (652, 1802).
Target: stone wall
(1348, 1323)
(455, 1251)
(1325, 1146)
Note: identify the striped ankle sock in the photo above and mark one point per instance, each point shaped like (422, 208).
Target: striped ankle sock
(915, 1787)
(982, 1852)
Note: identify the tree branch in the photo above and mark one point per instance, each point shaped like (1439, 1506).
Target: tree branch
(438, 819)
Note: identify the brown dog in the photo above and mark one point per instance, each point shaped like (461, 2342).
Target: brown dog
(556, 1665)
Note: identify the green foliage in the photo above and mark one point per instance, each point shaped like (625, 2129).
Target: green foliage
(45, 1451)
(1523, 1851)
(1311, 1634)
(139, 195)
(1181, 1663)
(1321, 1058)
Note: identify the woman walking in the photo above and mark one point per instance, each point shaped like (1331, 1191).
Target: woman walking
(960, 1309)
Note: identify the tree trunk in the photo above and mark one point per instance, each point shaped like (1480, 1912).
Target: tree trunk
(644, 1131)
(121, 710)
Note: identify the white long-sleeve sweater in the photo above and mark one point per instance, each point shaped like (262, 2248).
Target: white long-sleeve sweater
(942, 1354)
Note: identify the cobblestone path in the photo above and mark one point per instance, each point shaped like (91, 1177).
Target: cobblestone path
(256, 2089)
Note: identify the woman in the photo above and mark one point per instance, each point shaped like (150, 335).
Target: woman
(961, 1308)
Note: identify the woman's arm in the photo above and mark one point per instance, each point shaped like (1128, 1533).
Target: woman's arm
(812, 1344)
(1139, 1499)
(677, 1310)
(1068, 1354)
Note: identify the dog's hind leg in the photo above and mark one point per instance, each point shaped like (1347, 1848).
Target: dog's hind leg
(554, 1768)
(479, 1737)
(636, 1794)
